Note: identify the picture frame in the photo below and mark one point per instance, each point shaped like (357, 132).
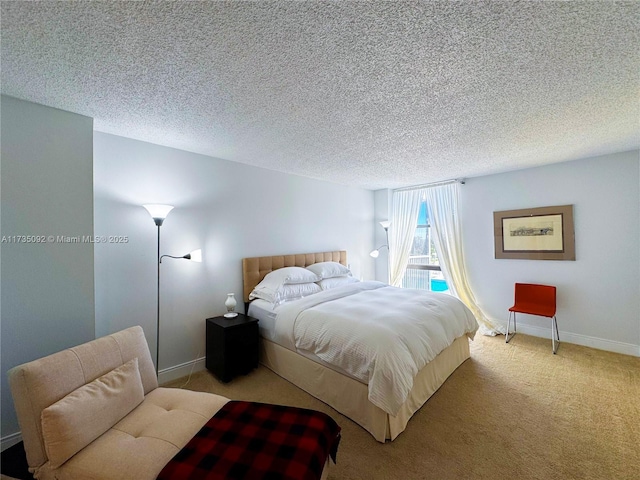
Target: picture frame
(543, 233)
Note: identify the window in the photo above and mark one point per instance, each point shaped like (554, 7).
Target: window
(423, 271)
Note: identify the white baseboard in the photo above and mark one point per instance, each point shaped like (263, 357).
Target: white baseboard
(10, 440)
(182, 370)
(584, 340)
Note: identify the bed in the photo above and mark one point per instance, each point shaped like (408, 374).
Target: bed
(342, 390)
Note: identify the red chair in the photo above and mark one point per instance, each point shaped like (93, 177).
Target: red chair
(535, 300)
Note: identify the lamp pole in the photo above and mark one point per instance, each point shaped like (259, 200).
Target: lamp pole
(158, 213)
(158, 306)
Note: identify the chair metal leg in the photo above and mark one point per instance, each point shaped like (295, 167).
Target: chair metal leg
(555, 336)
(510, 336)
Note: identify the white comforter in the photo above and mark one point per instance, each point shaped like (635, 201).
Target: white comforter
(381, 335)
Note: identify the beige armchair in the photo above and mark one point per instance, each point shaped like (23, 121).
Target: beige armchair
(95, 411)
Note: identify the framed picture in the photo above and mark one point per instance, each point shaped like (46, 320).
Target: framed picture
(544, 233)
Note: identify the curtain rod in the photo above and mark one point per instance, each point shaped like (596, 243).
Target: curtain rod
(434, 184)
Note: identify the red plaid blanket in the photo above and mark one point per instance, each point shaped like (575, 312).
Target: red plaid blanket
(247, 440)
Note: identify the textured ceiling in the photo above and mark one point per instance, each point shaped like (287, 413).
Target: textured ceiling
(372, 94)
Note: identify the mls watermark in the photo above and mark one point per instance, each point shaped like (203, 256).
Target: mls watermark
(65, 239)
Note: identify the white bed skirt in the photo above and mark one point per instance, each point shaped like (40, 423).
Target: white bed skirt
(350, 397)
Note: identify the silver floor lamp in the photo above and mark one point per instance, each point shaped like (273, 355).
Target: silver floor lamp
(375, 253)
(159, 213)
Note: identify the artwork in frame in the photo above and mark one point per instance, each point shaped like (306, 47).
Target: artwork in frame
(543, 233)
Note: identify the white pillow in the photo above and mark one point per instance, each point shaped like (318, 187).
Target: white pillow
(78, 419)
(289, 276)
(329, 269)
(287, 293)
(327, 283)
(273, 281)
(264, 294)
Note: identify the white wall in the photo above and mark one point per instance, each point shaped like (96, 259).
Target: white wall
(382, 200)
(47, 288)
(229, 210)
(598, 294)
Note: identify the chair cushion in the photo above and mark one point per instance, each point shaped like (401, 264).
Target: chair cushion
(76, 420)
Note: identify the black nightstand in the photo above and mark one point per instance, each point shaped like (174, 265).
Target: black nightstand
(232, 346)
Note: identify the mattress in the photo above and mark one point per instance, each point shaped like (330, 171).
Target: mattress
(264, 311)
(380, 334)
(350, 397)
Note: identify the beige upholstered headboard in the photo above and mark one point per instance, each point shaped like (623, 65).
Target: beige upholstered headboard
(255, 268)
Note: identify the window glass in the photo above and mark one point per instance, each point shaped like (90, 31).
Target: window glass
(423, 271)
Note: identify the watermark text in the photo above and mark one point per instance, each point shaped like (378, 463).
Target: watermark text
(65, 239)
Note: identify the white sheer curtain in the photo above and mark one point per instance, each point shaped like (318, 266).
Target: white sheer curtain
(404, 217)
(442, 204)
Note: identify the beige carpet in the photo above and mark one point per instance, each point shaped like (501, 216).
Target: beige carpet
(511, 411)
